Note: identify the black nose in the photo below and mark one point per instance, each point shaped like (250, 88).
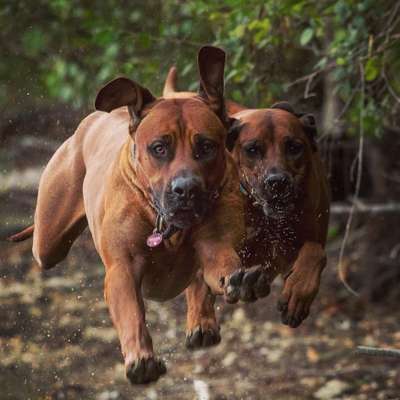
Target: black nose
(277, 181)
(186, 188)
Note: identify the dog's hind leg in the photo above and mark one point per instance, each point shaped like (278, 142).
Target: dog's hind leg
(60, 214)
(202, 329)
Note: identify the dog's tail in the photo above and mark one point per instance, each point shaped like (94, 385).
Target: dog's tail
(170, 82)
(23, 235)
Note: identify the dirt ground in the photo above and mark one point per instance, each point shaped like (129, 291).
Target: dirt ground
(57, 341)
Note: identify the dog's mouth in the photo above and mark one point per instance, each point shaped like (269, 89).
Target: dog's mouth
(183, 215)
(277, 209)
(278, 204)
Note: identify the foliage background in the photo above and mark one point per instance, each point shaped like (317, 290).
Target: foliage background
(337, 58)
(64, 50)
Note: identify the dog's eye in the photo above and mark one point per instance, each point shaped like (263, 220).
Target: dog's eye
(294, 149)
(252, 150)
(205, 149)
(208, 147)
(159, 149)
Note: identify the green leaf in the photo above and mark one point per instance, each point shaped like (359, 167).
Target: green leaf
(104, 37)
(239, 31)
(34, 41)
(371, 69)
(306, 36)
(340, 61)
(321, 63)
(231, 74)
(333, 232)
(187, 69)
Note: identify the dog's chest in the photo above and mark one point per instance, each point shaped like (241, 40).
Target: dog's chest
(271, 242)
(169, 271)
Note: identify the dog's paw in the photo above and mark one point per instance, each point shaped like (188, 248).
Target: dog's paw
(145, 370)
(296, 299)
(201, 337)
(246, 285)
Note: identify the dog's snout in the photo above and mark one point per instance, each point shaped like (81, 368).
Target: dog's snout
(186, 188)
(276, 181)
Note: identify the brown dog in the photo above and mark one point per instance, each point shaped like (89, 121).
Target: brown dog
(287, 207)
(287, 201)
(152, 179)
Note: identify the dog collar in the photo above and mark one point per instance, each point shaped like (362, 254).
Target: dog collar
(244, 190)
(161, 232)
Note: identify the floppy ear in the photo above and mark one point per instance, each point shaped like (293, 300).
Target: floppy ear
(211, 62)
(310, 128)
(233, 133)
(284, 105)
(124, 92)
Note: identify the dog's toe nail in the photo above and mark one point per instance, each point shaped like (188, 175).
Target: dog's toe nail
(152, 372)
(211, 338)
(194, 339)
(145, 370)
(161, 367)
(187, 342)
(282, 305)
(247, 295)
(250, 278)
(294, 322)
(285, 319)
(199, 338)
(232, 294)
(262, 287)
(135, 372)
(236, 278)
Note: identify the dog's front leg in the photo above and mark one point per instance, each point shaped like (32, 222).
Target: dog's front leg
(202, 329)
(124, 298)
(302, 284)
(223, 273)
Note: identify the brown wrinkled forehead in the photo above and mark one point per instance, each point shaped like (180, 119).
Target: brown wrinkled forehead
(181, 115)
(268, 123)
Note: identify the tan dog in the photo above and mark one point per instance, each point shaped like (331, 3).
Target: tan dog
(153, 181)
(287, 200)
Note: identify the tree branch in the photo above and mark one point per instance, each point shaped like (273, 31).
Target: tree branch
(360, 154)
(377, 352)
(360, 207)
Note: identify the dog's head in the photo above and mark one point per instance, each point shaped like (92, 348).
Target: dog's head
(178, 148)
(273, 148)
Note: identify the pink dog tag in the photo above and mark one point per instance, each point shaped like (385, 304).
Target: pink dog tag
(154, 239)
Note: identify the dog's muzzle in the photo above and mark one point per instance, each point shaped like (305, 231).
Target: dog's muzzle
(185, 201)
(277, 183)
(277, 187)
(277, 191)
